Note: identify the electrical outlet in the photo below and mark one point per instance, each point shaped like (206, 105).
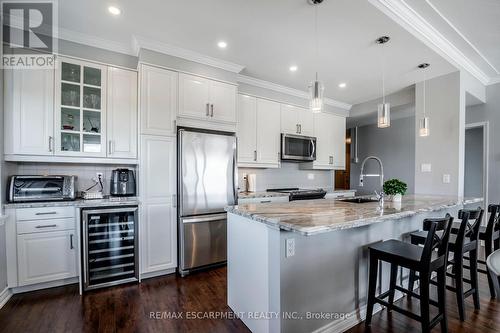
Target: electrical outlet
(446, 179)
(310, 176)
(426, 167)
(290, 247)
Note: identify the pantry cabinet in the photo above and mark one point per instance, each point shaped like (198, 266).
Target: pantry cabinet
(258, 132)
(296, 120)
(158, 100)
(205, 99)
(29, 111)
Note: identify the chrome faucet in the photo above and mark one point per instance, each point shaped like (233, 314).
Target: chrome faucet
(381, 174)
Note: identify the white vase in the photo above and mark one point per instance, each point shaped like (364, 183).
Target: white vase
(397, 197)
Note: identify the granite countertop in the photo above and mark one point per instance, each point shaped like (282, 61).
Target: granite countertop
(316, 216)
(260, 194)
(79, 203)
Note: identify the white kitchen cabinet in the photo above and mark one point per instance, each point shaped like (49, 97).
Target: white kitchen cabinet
(329, 130)
(206, 99)
(158, 100)
(29, 111)
(247, 129)
(122, 113)
(296, 120)
(158, 198)
(268, 133)
(80, 113)
(46, 256)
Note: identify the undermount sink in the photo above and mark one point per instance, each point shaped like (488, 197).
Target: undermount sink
(359, 200)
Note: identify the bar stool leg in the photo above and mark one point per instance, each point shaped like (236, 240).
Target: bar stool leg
(488, 249)
(441, 277)
(459, 284)
(473, 277)
(424, 301)
(411, 282)
(372, 285)
(392, 285)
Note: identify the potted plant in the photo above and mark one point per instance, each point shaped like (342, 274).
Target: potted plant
(395, 188)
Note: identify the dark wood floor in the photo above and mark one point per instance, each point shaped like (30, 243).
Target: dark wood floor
(128, 309)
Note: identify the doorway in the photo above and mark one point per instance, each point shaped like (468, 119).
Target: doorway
(476, 161)
(343, 177)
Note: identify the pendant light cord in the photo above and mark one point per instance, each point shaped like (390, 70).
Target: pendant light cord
(383, 74)
(425, 78)
(316, 37)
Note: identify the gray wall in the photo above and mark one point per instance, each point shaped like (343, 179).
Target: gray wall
(395, 146)
(473, 181)
(289, 175)
(490, 111)
(445, 102)
(3, 256)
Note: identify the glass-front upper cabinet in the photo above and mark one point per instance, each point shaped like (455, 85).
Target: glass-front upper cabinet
(81, 108)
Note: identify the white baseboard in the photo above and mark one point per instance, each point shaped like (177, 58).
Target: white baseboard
(44, 285)
(5, 295)
(157, 273)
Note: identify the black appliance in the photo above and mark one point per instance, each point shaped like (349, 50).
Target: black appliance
(298, 148)
(299, 194)
(122, 183)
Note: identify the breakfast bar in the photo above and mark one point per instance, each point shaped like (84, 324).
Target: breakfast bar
(302, 266)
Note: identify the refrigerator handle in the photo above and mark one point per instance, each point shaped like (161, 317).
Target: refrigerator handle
(180, 208)
(235, 172)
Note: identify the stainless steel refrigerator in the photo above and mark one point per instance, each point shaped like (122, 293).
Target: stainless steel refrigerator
(207, 182)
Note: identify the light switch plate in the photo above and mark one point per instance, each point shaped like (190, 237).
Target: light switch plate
(290, 247)
(426, 167)
(446, 179)
(310, 176)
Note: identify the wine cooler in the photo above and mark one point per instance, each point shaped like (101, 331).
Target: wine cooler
(110, 249)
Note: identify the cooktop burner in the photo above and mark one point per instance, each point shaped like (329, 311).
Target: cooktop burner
(300, 194)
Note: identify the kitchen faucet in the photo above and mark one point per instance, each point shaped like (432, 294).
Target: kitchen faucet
(381, 174)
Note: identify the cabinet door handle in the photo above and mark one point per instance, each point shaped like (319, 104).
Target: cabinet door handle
(71, 247)
(265, 201)
(212, 108)
(255, 155)
(50, 143)
(46, 213)
(46, 226)
(297, 128)
(208, 110)
(110, 146)
(300, 128)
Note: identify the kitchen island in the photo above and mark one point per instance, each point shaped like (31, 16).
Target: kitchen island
(302, 266)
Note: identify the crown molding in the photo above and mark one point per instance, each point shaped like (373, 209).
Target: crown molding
(289, 91)
(408, 18)
(139, 42)
(494, 80)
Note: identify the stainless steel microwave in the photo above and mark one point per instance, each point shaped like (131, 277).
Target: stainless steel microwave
(298, 148)
(41, 188)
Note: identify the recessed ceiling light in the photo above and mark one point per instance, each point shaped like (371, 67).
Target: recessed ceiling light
(293, 68)
(114, 10)
(222, 44)
(342, 85)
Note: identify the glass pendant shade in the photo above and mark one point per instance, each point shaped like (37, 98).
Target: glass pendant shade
(316, 89)
(424, 126)
(384, 115)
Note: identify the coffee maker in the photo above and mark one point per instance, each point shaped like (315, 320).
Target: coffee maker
(122, 183)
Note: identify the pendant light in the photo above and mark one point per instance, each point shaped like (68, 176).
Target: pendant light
(424, 121)
(316, 88)
(384, 109)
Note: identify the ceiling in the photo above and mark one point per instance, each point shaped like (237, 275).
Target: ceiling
(267, 37)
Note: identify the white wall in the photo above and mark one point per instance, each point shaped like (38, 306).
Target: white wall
(443, 149)
(289, 175)
(490, 111)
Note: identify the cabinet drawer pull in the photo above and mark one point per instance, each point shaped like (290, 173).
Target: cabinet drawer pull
(46, 213)
(46, 226)
(71, 247)
(208, 110)
(265, 201)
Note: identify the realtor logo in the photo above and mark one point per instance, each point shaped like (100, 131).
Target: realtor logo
(28, 34)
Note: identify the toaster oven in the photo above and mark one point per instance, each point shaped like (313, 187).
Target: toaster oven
(41, 188)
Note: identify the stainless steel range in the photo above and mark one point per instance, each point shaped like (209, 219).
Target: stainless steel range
(300, 194)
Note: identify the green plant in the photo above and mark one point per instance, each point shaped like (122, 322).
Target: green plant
(395, 186)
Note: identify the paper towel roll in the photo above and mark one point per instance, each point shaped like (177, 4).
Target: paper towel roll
(252, 182)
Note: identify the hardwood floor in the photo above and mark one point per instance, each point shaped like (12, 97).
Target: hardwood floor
(128, 308)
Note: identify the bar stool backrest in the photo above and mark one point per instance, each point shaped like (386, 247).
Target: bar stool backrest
(433, 240)
(494, 220)
(468, 229)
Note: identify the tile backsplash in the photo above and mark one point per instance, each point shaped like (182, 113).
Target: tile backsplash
(289, 175)
(83, 172)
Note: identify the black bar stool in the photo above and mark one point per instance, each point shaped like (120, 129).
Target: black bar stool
(465, 241)
(424, 260)
(491, 237)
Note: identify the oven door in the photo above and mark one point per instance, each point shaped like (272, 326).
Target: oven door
(298, 148)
